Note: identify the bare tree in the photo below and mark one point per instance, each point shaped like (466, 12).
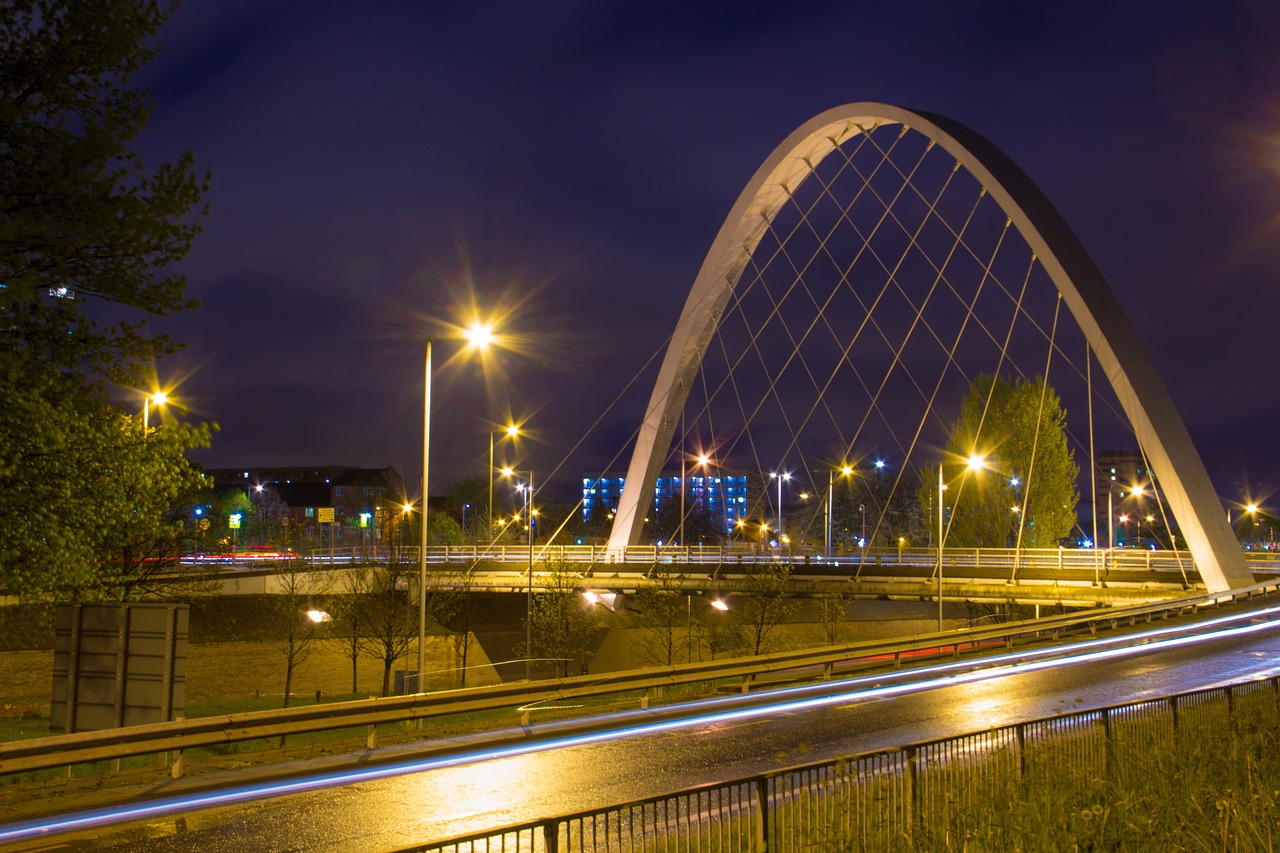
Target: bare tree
(390, 613)
(349, 620)
(389, 618)
(660, 612)
(297, 616)
(716, 630)
(832, 606)
(764, 606)
(562, 627)
(461, 637)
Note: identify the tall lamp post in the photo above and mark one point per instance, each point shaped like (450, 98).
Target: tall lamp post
(478, 336)
(845, 471)
(975, 463)
(527, 491)
(779, 476)
(159, 398)
(511, 431)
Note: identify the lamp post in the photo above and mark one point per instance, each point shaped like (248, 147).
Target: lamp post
(779, 476)
(975, 463)
(1111, 518)
(422, 543)
(159, 398)
(527, 490)
(942, 487)
(478, 336)
(845, 471)
(1138, 492)
(511, 431)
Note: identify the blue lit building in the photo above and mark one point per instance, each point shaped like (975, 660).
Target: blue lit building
(722, 496)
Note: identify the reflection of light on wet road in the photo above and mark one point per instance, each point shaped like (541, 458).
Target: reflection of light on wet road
(977, 703)
(498, 792)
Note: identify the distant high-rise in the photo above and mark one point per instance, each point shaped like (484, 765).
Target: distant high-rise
(721, 496)
(1127, 490)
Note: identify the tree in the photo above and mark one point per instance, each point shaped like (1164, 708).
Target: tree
(832, 606)
(1018, 428)
(443, 529)
(720, 632)
(388, 618)
(348, 620)
(83, 223)
(295, 617)
(94, 507)
(142, 532)
(81, 220)
(226, 506)
(764, 605)
(468, 503)
(563, 629)
(661, 613)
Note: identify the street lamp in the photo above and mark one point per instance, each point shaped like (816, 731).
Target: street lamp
(974, 463)
(845, 471)
(478, 336)
(510, 431)
(779, 476)
(159, 398)
(527, 490)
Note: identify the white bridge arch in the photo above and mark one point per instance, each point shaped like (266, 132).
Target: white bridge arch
(1143, 396)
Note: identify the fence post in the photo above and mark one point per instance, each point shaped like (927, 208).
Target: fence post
(551, 835)
(1022, 750)
(1106, 744)
(913, 797)
(762, 804)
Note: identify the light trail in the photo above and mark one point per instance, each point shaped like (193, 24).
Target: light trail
(996, 666)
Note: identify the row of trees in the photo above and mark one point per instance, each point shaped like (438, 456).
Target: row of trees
(375, 618)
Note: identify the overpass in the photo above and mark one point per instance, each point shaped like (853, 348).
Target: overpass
(1060, 576)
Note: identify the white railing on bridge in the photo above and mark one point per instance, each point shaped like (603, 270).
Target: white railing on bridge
(854, 561)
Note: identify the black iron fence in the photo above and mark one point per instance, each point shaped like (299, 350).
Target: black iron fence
(927, 796)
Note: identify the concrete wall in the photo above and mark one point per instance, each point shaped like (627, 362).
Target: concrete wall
(234, 670)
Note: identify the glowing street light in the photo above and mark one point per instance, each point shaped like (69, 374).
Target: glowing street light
(845, 471)
(974, 463)
(779, 476)
(159, 398)
(509, 431)
(478, 336)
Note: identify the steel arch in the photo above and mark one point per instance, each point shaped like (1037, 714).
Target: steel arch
(1124, 360)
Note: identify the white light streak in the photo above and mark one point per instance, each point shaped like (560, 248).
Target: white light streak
(993, 667)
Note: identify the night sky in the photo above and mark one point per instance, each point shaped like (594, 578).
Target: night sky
(377, 169)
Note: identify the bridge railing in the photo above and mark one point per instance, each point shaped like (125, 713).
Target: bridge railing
(924, 794)
(80, 747)
(855, 560)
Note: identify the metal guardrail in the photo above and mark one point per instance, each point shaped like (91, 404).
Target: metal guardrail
(81, 747)
(926, 794)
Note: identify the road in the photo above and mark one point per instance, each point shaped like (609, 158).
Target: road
(381, 814)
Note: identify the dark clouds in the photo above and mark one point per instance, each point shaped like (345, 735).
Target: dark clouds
(575, 159)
